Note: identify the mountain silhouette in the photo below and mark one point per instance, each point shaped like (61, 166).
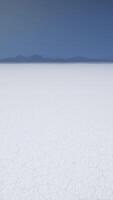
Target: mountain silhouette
(40, 59)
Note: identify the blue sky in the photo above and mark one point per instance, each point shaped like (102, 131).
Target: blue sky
(56, 28)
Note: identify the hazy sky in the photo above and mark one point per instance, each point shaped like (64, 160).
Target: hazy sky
(56, 28)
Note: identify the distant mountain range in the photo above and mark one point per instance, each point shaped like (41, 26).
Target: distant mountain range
(40, 59)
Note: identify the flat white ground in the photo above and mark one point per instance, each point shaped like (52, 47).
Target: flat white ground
(56, 132)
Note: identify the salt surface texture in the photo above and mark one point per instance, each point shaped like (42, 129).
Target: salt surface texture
(56, 132)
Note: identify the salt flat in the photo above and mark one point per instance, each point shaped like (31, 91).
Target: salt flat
(56, 132)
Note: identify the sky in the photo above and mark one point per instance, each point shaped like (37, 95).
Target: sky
(56, 28)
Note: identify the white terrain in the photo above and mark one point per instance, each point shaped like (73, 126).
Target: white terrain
(56, 132)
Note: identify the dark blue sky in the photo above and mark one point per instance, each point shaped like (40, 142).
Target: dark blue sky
(56, 28)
